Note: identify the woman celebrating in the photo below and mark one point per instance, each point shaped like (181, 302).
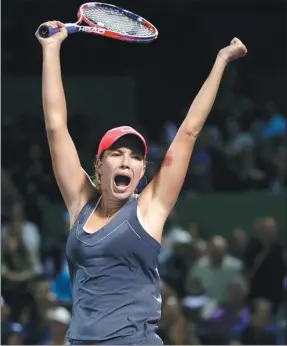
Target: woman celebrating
(115, 235)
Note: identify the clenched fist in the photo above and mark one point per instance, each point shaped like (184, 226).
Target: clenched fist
(235, 50)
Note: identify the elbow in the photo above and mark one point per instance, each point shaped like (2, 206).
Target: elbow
(191, 128)
(55, 127)
(192, 132)
(55, 121)
(53, 132)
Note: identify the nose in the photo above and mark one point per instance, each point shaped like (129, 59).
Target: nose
(125, 161)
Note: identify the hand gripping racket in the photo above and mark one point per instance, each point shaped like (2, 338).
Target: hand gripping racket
(110, 21)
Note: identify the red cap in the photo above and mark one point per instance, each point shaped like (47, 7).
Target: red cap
(116, 133)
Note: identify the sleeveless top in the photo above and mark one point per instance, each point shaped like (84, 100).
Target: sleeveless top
(114, 277)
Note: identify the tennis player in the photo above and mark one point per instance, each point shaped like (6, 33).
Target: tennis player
(115, 235)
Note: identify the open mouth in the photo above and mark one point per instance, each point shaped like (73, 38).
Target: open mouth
(122, 180)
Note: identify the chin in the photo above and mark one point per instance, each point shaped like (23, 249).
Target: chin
(123, 195)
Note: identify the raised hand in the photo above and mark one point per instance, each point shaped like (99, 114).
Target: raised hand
(55, 39)
(234, 51)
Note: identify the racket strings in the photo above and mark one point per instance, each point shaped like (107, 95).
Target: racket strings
(114, 20)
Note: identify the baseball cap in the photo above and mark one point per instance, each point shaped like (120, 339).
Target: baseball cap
(116, 133)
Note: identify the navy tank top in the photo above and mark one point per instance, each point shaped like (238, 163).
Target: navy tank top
(114, 277)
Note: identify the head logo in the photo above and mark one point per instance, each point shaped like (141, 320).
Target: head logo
(90, 29)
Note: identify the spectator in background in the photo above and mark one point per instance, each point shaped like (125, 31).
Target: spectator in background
(59, 320)
(15, 334)
(174, 232)
(27, 232)
(217, 269)
(268, 123)
(200, 249)
(171, 264)
(233, 314)
(215, 137)
(270, 130)
(61, 286)
(199, 178)
(276, 123)
(170, 130)
(20, 261)
(241, 158)
(5, 322)
(34, 317)
(259, 331)
(197, 305)
(264, 263)
(238, 139)
(198, 246)
(278, 168)
(10, 195)
(173, 328)
(238, 243)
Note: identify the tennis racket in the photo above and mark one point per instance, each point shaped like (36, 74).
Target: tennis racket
(110, 21)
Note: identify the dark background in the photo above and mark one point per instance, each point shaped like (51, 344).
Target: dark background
(169, 71)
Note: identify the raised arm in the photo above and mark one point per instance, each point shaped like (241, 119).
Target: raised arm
(159, 197)
(71, 178)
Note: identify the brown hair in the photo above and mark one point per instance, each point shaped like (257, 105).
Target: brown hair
(96, 179)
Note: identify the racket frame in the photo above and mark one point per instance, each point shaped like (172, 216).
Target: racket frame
(93, 28)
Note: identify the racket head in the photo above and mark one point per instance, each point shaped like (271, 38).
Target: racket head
(117, 23)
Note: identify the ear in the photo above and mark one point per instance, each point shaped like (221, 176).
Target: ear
(144, 169)
(98, 165)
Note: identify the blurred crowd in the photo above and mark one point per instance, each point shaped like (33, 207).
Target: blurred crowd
(223, 292)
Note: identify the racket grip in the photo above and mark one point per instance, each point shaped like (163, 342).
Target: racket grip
(46, 31)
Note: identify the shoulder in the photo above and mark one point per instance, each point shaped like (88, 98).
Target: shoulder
(85, 203)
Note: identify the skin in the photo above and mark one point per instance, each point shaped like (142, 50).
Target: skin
(126, 158)
(159, 197)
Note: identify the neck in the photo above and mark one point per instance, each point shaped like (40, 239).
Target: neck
(110, 206)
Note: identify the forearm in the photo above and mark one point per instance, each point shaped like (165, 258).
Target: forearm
(54, 102)
(204, 100)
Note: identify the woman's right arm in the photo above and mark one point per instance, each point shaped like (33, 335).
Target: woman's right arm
(74, 184)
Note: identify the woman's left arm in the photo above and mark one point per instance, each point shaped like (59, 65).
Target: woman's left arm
(160, 196)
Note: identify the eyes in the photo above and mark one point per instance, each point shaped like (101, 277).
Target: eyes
(133, 156)
(138, 157)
